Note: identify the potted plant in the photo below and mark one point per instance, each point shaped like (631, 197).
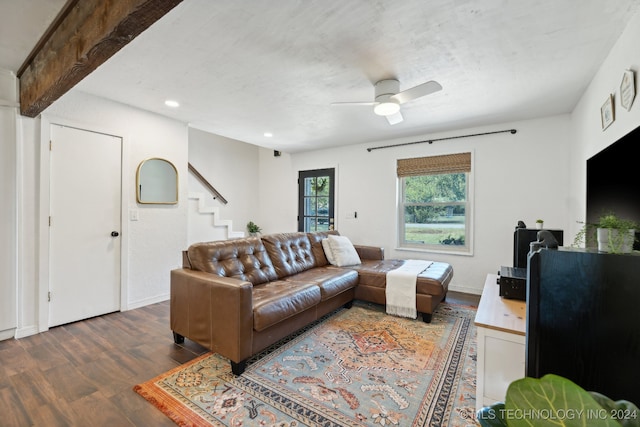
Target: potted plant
(253, 228)
(613, 234)
(539, 224)
(556, 401)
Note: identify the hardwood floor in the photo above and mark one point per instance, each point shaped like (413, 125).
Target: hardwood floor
(83, 373)
(462, 298)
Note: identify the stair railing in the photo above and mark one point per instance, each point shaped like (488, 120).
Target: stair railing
(211, 188)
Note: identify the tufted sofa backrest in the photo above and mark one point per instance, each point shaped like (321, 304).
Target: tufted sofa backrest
(244, 259)
(290, 253)
(316, 245)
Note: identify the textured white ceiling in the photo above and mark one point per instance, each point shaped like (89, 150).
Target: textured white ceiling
(242, 68)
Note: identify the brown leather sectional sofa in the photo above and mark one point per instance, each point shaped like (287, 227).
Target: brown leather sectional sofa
(237, 297)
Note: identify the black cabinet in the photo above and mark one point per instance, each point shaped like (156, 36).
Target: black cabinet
(583, 319)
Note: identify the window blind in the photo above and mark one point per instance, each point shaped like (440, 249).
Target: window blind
(448, 163)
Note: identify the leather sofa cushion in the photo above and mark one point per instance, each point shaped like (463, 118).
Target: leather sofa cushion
(332, 281)
(244, 259)
(433, 281)
(290, 253)
(374, 272)
(276, 301)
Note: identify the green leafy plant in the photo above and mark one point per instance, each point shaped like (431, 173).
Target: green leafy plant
(253, 227)
(539, 221)
(608, 221)
(556, 401)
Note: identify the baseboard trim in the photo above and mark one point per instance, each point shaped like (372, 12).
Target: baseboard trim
(33, 329)
(27, 331)
(147, 301)
(466, 290)
(7, 334)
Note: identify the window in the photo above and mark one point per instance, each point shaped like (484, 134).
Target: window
(434, 207)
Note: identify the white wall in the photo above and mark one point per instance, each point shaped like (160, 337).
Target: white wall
(151, 246)
(231, 166)
(539, 172)
(589, 137)
(522, 176)
(8, 218)
(278, 192)
(28, 214)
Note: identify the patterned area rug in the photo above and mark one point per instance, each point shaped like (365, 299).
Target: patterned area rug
(357, 367)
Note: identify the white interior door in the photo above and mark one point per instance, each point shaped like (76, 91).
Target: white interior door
(85, 209)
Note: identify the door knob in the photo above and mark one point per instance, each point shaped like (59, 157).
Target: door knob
(114, 234)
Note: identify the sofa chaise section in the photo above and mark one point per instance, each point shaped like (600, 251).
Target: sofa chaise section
(431, 285)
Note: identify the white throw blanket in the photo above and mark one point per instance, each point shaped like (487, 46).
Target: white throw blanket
(401, 288)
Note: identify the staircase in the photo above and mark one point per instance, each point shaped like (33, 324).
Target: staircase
(203, 209)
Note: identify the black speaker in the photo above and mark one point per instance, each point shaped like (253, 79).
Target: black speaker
(522, 239)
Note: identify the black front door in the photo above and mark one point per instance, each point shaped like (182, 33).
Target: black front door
(315, 200)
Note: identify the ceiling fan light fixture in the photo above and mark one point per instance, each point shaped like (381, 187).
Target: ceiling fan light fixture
(387, 108)
(388, 98)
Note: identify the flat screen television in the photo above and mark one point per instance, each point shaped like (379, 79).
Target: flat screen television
(612, 182)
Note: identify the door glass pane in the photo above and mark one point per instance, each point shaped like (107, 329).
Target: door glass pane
(310, 186)
(322, 224)
(309, 206)
(322, 186)
(323, 206)
(309, 224)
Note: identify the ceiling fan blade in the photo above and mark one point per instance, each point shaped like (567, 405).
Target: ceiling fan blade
(394, 119)
(369, 104)
(417, 91)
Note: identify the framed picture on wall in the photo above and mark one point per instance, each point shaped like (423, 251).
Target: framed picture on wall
(627, 89)
(606, 112)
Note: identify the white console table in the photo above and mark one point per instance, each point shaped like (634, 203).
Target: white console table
(501, 328)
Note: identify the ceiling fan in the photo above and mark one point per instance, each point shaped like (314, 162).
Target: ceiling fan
(388, 98)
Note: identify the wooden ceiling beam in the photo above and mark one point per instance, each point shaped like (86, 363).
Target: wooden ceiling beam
(84, 35)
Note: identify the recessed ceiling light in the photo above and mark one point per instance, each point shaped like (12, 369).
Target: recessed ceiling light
(171, 103)
(268, 134)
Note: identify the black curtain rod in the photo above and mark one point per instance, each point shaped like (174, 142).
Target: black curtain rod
(430, 141)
